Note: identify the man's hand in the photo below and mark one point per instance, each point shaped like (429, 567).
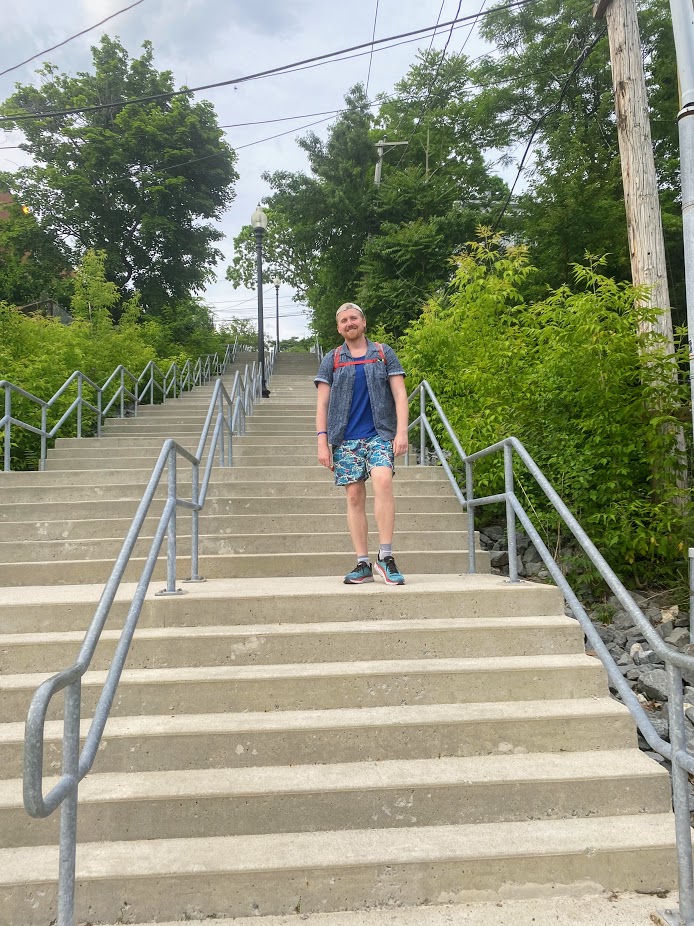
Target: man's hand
(324, 455)
(400, 443)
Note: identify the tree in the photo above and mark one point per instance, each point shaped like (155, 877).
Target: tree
(32, 264)
(139, 182)
(573, 201)
(318, 223)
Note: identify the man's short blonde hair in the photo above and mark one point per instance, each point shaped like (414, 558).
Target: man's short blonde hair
(350, 305)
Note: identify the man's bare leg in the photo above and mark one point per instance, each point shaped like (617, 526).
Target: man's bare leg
(356, 517)
(384, 502)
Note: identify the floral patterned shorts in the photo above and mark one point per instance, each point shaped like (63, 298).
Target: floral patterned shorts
(353, 460)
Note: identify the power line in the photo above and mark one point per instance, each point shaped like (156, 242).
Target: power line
(70, 38)
(371, 55)
(24, 116)
(431, 84)
(578, 64)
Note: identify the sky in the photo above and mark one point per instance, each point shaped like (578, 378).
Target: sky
(204, 41)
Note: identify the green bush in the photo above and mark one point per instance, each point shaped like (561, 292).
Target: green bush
(588, 394)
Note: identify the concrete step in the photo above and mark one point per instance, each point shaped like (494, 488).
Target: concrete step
(381, 683)
(310, 543)
(564, 906)
(41, 513)
(222, 474)
(234, 602)
(281, 873)
(132, 487)
(369, 734)
(146, 457)
(282, 644)
(233, 565)
(243, 524)
(190, 442)
(349, 796)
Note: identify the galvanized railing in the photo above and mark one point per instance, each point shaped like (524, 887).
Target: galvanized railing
(229, 410)
(676, 750)
(152, 383)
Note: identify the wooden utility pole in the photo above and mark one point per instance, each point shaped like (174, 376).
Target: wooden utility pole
(644, 225)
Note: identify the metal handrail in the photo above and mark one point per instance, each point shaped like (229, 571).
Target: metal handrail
(676, 750)
(167, 386)
(230, 410)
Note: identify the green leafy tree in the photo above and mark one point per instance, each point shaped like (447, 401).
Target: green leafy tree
(318, 223)
(32, 263)
(139, 182)
(573, 199)
(571, 376)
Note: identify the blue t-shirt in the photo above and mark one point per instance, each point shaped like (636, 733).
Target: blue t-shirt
(360, 425)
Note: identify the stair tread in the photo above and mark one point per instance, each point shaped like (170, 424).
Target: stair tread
(356, 776)
(324, 669)
(315, 628)
(340, 849)
(335, 718)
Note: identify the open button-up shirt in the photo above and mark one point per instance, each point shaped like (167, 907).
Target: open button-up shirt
(341, 382)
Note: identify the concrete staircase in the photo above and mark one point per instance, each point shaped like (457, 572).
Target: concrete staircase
(283, 743)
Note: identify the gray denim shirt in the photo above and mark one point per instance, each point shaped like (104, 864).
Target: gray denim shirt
(341, 382)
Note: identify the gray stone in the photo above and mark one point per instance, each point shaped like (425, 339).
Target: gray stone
(495, 533)
(654, 684)
(665, 628)
(532, 568)
(633, 674)
(662, 727)
(679, 637)
(624, 660)
(500, 559)
(621, 620)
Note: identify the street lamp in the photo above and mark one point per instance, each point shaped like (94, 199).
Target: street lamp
(259, 223)
(276, 283)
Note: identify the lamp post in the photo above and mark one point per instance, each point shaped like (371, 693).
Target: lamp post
(259, 223)
(276, 283)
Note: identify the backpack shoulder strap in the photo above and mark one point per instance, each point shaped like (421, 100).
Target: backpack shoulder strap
(380, 350)
(336, 357)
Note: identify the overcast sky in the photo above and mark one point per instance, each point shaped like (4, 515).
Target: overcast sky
(203, 41)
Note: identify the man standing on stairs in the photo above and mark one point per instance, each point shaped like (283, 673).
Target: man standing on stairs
(362, 416)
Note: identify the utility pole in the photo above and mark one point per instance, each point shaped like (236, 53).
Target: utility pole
(381, 147)
(644, 225)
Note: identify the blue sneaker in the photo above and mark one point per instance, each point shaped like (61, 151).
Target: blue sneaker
(362, 572)
(389, 571)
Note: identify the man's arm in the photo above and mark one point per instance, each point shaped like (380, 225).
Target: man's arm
(322, 424)
(402, 412)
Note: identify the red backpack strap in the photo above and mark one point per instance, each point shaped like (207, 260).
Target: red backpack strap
(336, 356)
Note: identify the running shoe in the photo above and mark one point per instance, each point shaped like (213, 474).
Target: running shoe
(362, 572)
(389, 571)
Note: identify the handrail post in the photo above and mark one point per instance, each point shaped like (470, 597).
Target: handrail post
(422, 429)
(221, 434)
(691, 594)
(99, 405)
(510, 514)
(8, 429)
(79, 405)
(122, 392)
(195, 526)
(680, 795)
(230, 448)
(68, 811)
(44, 438)
(469, 495)
(171, 495)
